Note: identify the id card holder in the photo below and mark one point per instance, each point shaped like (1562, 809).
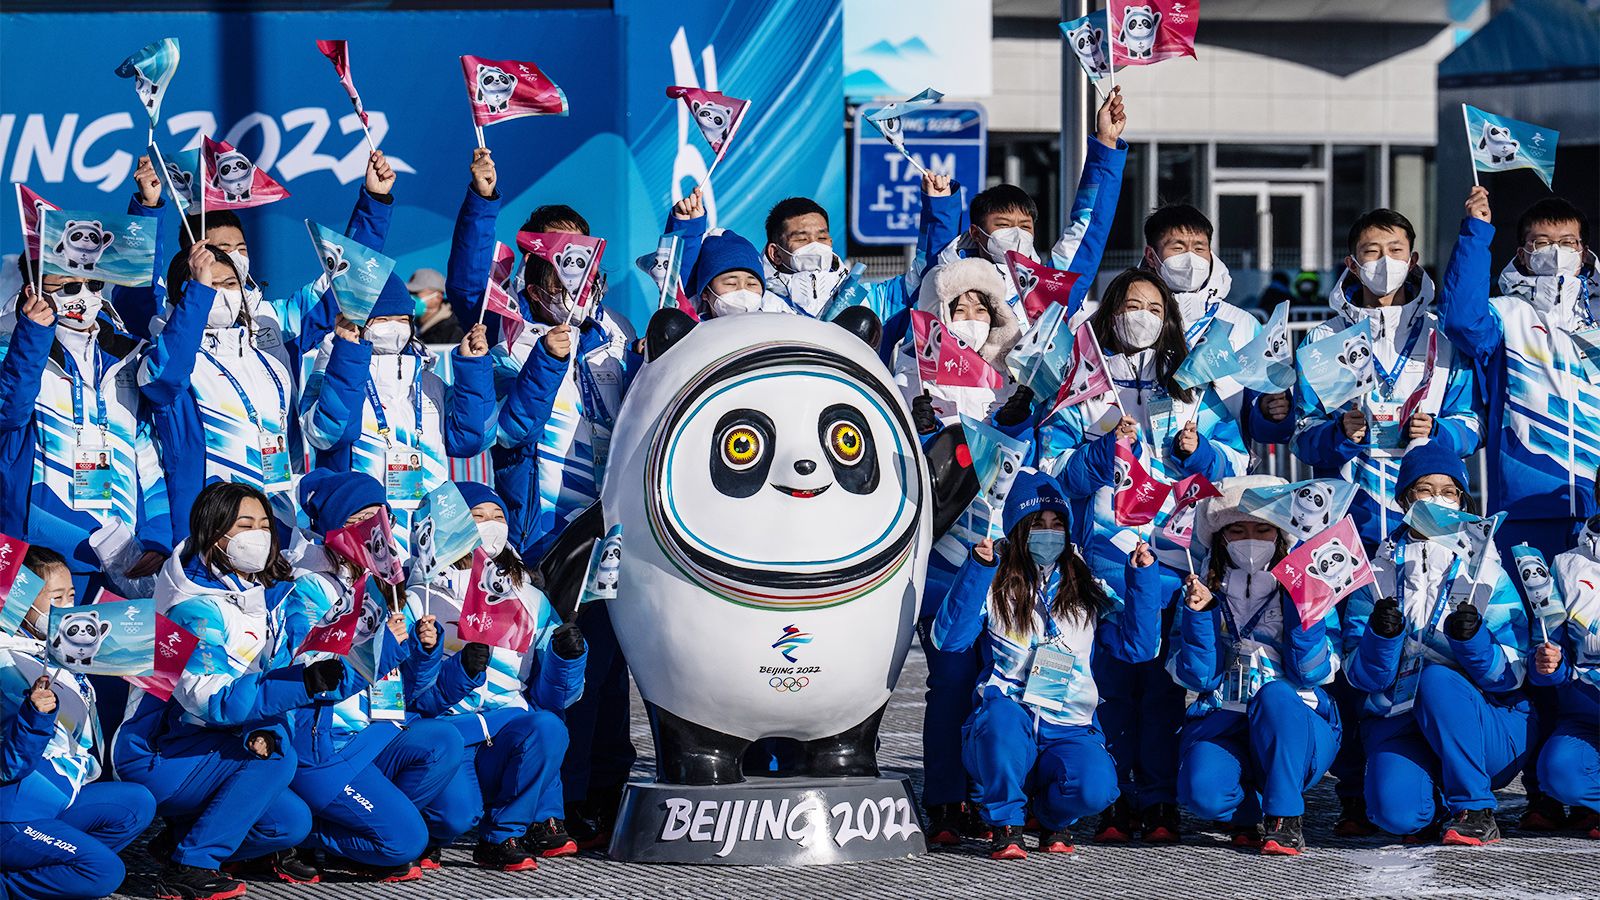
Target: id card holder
(1161, 411)
(91, 473)
(274, 463)
(1236, 682)
(402, 478)
(600, 450)
(1050, 678)
(1384, 428)
(1406, 679)
(386, 699)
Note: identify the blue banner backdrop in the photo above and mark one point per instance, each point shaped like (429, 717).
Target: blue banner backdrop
(622, 156)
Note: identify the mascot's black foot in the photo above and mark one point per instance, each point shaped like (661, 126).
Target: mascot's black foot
(853, 752)
(687, 753)
(863, 323)
(667, 327)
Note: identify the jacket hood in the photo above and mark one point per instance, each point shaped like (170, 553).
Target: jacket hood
(955, 278)
(1192, 304)
(1558, 297)
(176, 583)
(1388, 322)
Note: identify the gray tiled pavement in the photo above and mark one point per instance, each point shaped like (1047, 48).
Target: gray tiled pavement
(1522, 866)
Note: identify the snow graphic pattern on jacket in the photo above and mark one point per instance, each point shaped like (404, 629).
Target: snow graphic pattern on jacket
(1577, 577)
(1320, 440)
(41, 785)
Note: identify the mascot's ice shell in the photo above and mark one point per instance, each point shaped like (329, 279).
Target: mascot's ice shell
(776, 518)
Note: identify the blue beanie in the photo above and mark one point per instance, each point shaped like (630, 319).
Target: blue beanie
(394, 300)
(1432, 458)
(475, 493)
(722, 253)
(329, 498)
(1033, 492)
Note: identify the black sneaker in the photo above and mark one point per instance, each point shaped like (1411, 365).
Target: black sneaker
(944, 824)
(180, 882)
(585, 828)
(1584, 821)
(1353, 821)
(1544, 813)
(285, 865)
(506, 856)
(1116, 824)
(1007, 843)
(1472, 828)
(549, 839)
(1283, 836)
(432, 858)
(1056, 842)
(1161, 823)
(163, 845)
(1245, 835)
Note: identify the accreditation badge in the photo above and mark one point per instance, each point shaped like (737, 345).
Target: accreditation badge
(91, 473)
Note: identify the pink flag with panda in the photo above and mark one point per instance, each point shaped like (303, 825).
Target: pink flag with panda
(943, 359)
(1087, 375)
(717, 115)
(1145, 32)
(1038, 285)
(32, 207)
(336, 631)
(501, 89)
(231, 181)
(369, 544)
(577, 261)
(497, 298)
(1187, 495)
(1414, 402)
(492, 613)
(1137, 496)
(1324, 570)
(338, 53)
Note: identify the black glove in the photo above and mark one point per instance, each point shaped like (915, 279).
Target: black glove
(1462, 624)
(1385, 620)
(922, 414)
(1017, 409)
(269, 738)
(323, 675)
(475, 659)
(567, 642)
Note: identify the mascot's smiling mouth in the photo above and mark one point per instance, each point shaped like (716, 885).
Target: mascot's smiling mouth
(801, 493)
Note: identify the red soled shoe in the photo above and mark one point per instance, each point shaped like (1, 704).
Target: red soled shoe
(1007, 843)
(1472, 828)
(1161, 824)
(1284, 837)
(1057, 842)
(505, 856)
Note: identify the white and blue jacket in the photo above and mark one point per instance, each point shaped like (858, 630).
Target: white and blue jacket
(1533, 379)
(1400, 340)
(1577, 679)
(45, 760)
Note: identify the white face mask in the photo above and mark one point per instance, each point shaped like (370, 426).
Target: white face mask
(1251, 554)
(971, 332)
(813, 257)
(734, 302)
(225, 310)
(248, 550)
(1185, 272)
(241, 265)
(78, 311)
(1554, 260)
(1139, 328)
(493, 535)
(1003, 239)
(388, 337)
(1384, 275)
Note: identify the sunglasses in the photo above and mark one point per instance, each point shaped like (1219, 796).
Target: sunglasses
(72, 288)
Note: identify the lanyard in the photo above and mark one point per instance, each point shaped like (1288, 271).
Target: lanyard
(383, 420)
(1201, 323)
(1051, 631)
(250, 408)
(71, 365)
(1444, 586)
(1249, 626)
(1390, 376)
(594, 405)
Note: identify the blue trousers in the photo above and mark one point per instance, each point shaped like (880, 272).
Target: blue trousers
(1141, 711)
(223, 801)
(74, 854)
(1547, 705)
(1569, 765)
(601, 751)
(1455, 742)
(948, 704)
(1235, 766)
(508, 783)
(1064, 769)
(368, 811)
(1350, 762)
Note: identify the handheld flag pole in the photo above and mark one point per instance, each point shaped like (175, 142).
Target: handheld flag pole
(1111, 49)
(1466, 120)
(183, 215)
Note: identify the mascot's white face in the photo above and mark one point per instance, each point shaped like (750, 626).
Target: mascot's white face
(79, 636)
(1089, 43)
(572, 264)
(1498, 141)
(234, 175)
(1312, 509)
(1333, 564)
(1536, 581)
(766, 474)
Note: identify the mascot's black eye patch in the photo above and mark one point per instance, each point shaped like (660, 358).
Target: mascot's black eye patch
(849, 447)
(741, 452)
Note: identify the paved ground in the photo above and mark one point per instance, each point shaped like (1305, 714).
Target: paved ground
(1523, 866)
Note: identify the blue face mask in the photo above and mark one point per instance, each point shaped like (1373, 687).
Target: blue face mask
(1045, 546)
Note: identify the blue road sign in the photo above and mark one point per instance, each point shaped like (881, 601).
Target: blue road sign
(885, 193)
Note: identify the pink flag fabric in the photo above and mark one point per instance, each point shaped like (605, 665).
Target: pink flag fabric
(576, 258)
(491, 612)
(1187, 495)
(497, 298)
(1138, 495)
(717, 115)
(946, 359)
(501, 89)
(32, 207)
(231, 181)
(338, 53)
(174, 645)
(1038, 285)
(1146, 32)
(1324, 570)
(1087, 375)
(338, 634)
(369, 544)
(1414, 402)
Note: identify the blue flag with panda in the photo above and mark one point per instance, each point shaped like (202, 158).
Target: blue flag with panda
(152, 69)
(1499, 143)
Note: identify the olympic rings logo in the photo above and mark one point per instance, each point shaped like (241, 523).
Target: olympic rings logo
(785, 683)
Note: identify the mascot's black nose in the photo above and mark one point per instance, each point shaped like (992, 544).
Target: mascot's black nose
(804, 466)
